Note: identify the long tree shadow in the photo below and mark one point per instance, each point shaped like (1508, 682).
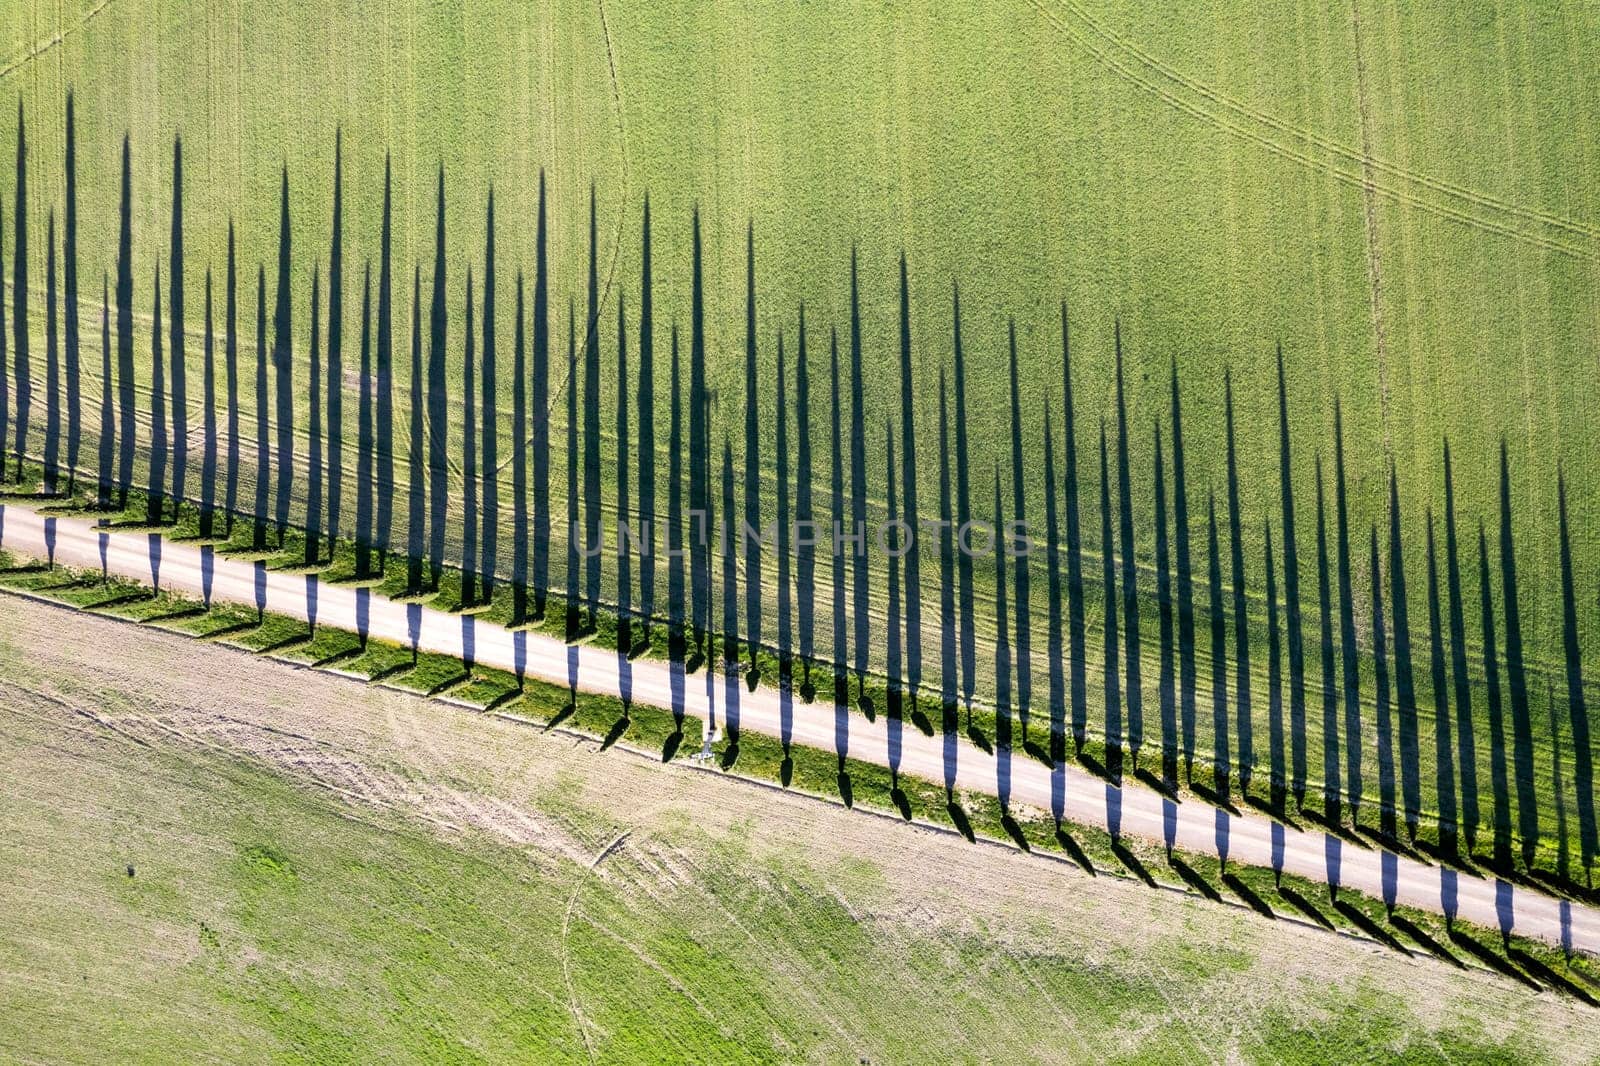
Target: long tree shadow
(1251, 898)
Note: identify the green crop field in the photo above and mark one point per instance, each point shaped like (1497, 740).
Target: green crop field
(314, 871)
(1403, 198)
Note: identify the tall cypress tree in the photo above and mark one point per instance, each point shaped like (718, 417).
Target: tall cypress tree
(1241, 616)
(1497, 734)
(282, 347)
(647, 436)
(1002, 654)
(314, 427)
(1108, 579)
(491, 421)
(805, 562)
(108, 418)
(336, 350)
(1444, 750)
(1331, 787)
(180, 388)
(591, 427)
(1219, 659)
(1465, 732)
(540, 400)
(1055, 640)
(1380, 660)
(469, 463)
(751, 546)
(417, 497)
(208, 456)
(893, 650)
(1180, 529)
(908, 490)
(949, 674)
(364, 437)
(127, 427)
(230, 352)
(19, 297)
(785, 594)
(841, 633)
(1405, 690)
(574, 616)
(263, 422)
(519, 467)
(1516, 675)
(859, 580)
(1347, 627)
(5, 399)
(1291, 600)
(69, 266)
(1130, 586)
(675, 550)
(52, 367)
(624, 560)
(969, 642)
(1577, 708)
(1019, 504)
(438, 405)
(1076, 636)
(1280, 780)
(383, 402)
(158, 416)
(699, 458)
(1167, 686)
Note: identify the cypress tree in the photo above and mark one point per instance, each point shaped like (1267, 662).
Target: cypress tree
(1219, 659)
(230, 350)
(751, 546)
(158, 416)
(1078, 677)
(282, 363)
(675, 551)
(540, 400)
(127, 426)
(949, 678)
(417, 497)
(180, 386)
(1380, 659)
(624, 562)
(699, 459)
(19, 297)
(1279, 781)
(591, 426)
(1108, 577)
(859, 586)
(805, 562)
(1130, 587)
(969, 641)
(1497, 734)
(1405, 692)
(314, 459)
(1054, 639)
(1180, 529)
(646, 409)
(1291, 600)
(1024, 691)
(263, 422)
(730, 603)
(490, 539)
(908, 489)
(208, 457)
(364, 437)
(1577, 708)
(785, 602)
(519, 468)
(1466, 738)
(1241, 616)
(469, 463)
(1002, 653)
(383, 402)
(1516, 674)
(1444, 750)
(336, 350)
(1331, 787)
(574, 615)
(1347, 627)
(438, 406)
(1167, 686)
(69, 266)
(108, 422)
(841, 636)
(52, 368)
(894, 652)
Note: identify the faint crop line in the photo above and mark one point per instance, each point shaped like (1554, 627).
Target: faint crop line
(1105, 57)
(566, 927)
(1368, 198)
(56, 38)
(1318, 140)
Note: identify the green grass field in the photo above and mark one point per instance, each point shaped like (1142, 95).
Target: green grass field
(1218, 181)
(321, 872)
